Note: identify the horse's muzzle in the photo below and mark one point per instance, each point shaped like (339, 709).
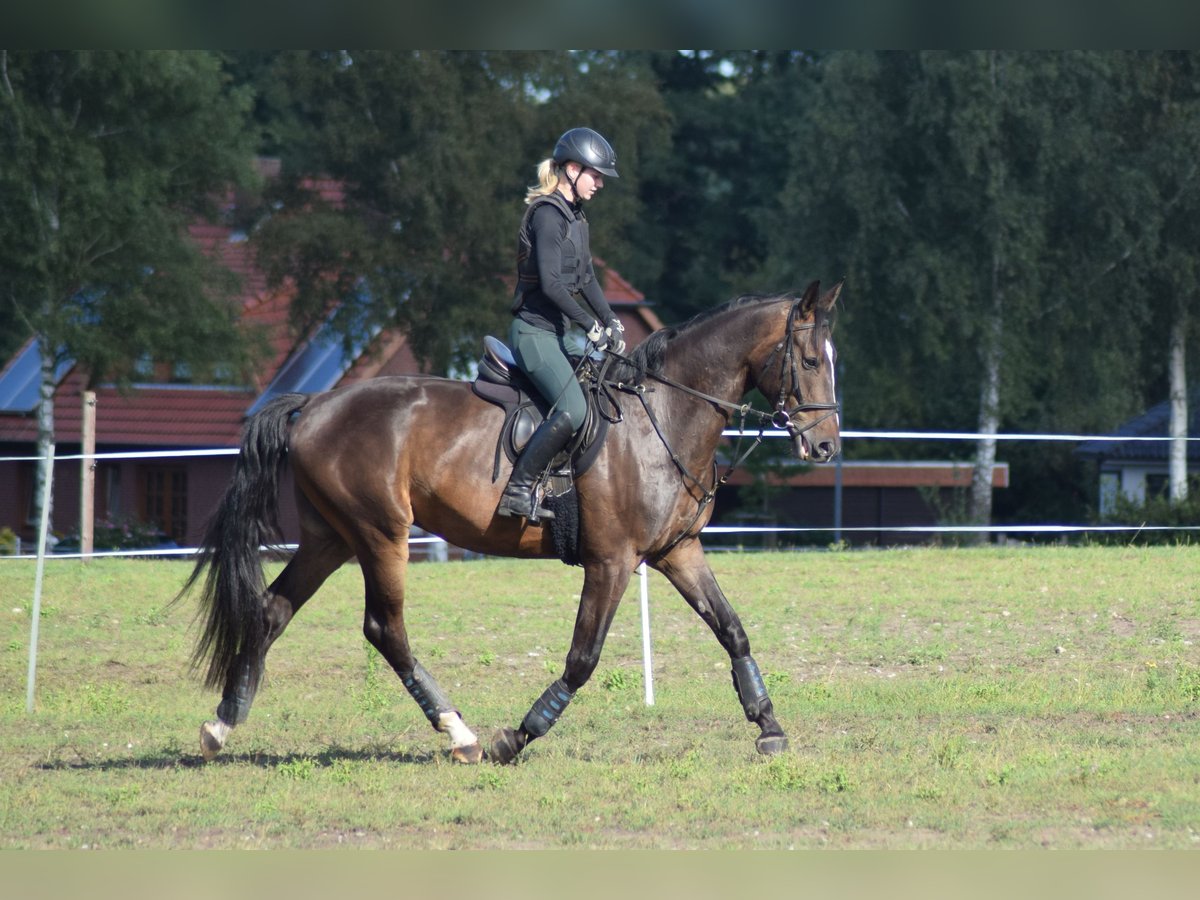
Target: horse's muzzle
(821, 451)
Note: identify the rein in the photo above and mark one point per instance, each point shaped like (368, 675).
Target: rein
(781, 417)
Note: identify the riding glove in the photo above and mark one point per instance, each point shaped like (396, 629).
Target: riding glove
(616, 334)
(598, 336)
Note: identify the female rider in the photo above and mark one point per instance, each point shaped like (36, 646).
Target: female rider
(558, 301)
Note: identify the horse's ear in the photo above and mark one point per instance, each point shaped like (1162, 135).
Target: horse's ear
(809, 300)
(830, 298)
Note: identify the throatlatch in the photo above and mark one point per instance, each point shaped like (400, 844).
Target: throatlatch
(425, 690)
(750, 687)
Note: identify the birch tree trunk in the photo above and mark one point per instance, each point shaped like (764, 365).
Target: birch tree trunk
(993, 331)
(45, 433)
(989, 407)
(1177, 486)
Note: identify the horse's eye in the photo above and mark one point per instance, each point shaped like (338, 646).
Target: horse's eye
(811, 362)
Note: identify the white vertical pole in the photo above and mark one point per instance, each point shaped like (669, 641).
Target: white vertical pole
(37, 584)
(87, 477)
(647, 666)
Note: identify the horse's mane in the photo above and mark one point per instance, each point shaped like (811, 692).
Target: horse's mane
(650, 355)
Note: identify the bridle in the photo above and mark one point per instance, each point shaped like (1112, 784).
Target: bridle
(781, 418)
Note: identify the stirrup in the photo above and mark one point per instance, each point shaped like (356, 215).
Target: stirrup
(523, 506)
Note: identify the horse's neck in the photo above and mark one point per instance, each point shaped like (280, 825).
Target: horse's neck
(715, 360)
(712, 364)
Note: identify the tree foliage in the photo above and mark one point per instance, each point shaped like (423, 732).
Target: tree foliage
(1022, 217)
(108, 157)
(434, 150)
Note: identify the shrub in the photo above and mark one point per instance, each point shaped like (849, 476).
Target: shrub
(118, 533)
(1154, 511)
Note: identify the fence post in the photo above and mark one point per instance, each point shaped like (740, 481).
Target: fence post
(87, 476)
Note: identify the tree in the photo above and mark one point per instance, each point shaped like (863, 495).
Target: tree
(714, 187)
(959, 193)
(434, 149)
(108, 156)
(1158, 164)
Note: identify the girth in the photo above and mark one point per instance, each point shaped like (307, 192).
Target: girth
(501, 381)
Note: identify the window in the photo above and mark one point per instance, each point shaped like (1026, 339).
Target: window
(164, 500)
(108, 491)
(1156, 486)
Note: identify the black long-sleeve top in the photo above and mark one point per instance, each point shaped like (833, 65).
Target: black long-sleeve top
(551, 305)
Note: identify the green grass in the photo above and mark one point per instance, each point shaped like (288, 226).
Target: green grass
(969, 698)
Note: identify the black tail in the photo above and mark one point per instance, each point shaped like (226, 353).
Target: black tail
(247, 519)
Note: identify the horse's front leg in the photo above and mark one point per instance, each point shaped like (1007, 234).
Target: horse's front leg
(686, 568)
(603, 585)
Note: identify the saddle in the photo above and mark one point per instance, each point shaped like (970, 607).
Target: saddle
(501, 381)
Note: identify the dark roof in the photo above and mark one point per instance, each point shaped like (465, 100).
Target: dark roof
(1154, 422)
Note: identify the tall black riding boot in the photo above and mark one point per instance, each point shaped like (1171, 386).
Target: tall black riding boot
(518, 499)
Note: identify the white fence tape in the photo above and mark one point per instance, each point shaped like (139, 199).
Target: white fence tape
(131, 454)
(964, 436)
(729, 432)
(712, 529)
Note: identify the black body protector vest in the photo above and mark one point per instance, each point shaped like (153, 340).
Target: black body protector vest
(576, 252)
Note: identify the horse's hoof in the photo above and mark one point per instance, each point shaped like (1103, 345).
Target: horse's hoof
(770, 744)
(504, 747)
(471, 755)
(210, 742)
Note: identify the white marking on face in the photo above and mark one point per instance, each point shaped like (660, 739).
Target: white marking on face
(832, 377)
(451, 723)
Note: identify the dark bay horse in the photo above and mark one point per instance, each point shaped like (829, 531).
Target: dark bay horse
(374, 459)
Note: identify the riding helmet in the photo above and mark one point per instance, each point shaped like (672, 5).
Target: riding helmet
(589, 148)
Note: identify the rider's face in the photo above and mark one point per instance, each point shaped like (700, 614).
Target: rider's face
(588, 182)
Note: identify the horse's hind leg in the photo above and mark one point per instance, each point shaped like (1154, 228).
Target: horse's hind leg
(315, 561)
(383, 625)
(686, 568)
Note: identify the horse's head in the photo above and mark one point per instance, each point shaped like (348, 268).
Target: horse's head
(798, 374)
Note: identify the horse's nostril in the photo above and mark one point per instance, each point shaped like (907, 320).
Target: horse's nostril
(826, 449)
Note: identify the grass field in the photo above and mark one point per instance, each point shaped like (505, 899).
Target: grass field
(953, 698)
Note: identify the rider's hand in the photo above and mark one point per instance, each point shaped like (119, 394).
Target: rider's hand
(598, 336)
(616, 333)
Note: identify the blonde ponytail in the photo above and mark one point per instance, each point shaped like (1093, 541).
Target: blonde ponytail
(547, 172)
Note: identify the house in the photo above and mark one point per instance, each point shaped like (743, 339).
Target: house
(168, 412)
(1138, 468)
(871, 495)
